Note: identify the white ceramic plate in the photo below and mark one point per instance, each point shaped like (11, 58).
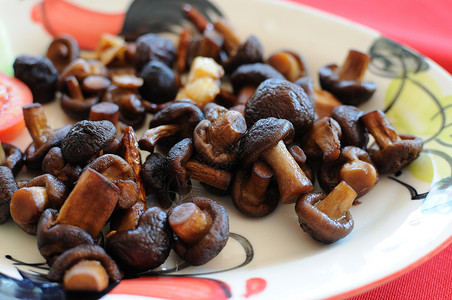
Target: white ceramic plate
(397, 225)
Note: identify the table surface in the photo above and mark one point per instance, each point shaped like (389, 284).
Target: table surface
(425, 26)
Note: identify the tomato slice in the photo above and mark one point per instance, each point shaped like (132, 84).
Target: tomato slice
(14, 95)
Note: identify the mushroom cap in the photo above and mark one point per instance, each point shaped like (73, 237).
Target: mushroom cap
(53, 239)
(85, 139)
(397, 155)
(283, 99)
(178, 155)
(62, 51)
(180, 112)
(253, 75)
(8, 186)
(152, 46)
(354, 133)
(262, 136)
(56, 190)
(319, 225)
(15, 159)
(159, 82)
(83, 252)
(249, 52)
(213, 242)
(145, 247)
(349, 92)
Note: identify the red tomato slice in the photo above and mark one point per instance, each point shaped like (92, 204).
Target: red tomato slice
(14, 94)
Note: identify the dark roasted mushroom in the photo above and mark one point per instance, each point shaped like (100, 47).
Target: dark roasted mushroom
(289, 63)
(156, 177)
(346, 82)
(307, 84)
(324, 103)
(53, 239)
(248, 52)
(29, 202)
(281, 99)
(159, 82)
(267, 140)
(142, 248)
(354, 133)
(201, 229)
(153, 46)
(327, 217)
(391, 151)
(62, 51)
(183, 167)
(44, 138)
(85, 268)
(8, 187)
(323, 140)
(176, 121)
(215, 140)
(54, 164)
(11, 157)
(354, 166)
(39, 74)
(254, 194)
(86, 139)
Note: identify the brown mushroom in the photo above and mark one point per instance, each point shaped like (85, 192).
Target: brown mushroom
(250, 51)
(323, 140)
(201, 229)
(8, 187)
(29, 202)
(324, 103)
(85, 268)
(53, 239)
(354, 166)
(283, 99)
(289, 63)
(307, 84)
(176, 121)
(54, 164)
(144, 247)
(354, 133)
(327, 217)
(151, 46)
(62, 51)
(345, 82)
(391, 151)
(267, 140)
(44, 138)
(86, 139)
(183, 167)
(215, 140)
(11, 157)
(253, 192)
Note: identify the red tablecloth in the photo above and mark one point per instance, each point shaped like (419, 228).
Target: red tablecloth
(425, 26)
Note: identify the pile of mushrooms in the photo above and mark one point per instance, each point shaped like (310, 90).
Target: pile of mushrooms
(265, 140)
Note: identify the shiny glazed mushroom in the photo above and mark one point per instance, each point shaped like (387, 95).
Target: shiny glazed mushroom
(11, 157)
(8, 187)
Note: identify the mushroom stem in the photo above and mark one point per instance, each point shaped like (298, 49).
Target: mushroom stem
(226, 130)
(28, 203)
(37, 124)
(380, 128)
(86, 275)
(244, 94)
(189, 222)
(185, 38)
(327, 133)
(2, 155)
(338, 201)
(255, 187)
(215, 177)
(75, 90)
(355, 66)
(198, 19)
(324, 103)
(152, 136)
(292, 181)
(232, 40)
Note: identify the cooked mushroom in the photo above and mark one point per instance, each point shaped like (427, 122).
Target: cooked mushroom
(324, 103)
(62, 51)
(176, 121)
(85, 268)
(54, 164)
(345, 82)
(159, 82)
(283, 99)
(323, 140)
(39, 74)
(183, 167)
(391, 151)
(302, 160)
(44, 138)
(267, 140)
(215, 140)
(8, 187)
(90, 204)
(144, 247)
(307, 85)
(253, 192)
(201, 229)
(11, 157)
(153, 46)
(354, 133)
(86, 139)
(29, 202)
(354, 166)
(289, 63)
(156, 177)
(327, 217)
(53, 239)
(250, 51)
